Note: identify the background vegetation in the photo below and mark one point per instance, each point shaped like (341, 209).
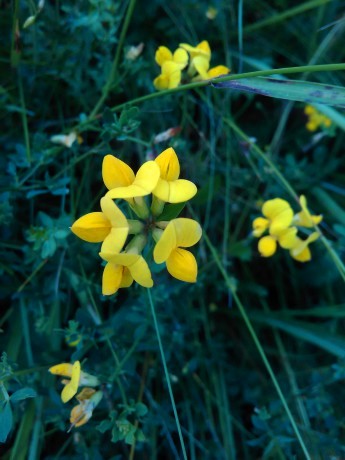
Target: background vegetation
(249, 326)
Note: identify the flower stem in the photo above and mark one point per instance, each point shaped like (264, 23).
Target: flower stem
(167, 374)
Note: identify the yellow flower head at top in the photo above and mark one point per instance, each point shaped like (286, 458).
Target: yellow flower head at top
(171, 66)
(88, 399)
(316, 119)
(169, 187)
(179, 233)
(304, 218)
(200, 57)
(77, 378)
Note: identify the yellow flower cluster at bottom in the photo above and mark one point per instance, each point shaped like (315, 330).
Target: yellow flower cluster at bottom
(281, 223)
(316, 119)
(126, 264)
(88, 398)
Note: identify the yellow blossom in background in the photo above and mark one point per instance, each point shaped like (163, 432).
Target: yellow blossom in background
(169, 187)
(109, 226)
(134, 52)
(200, 57)
(171, 66)
(304, 218)
(281, 224)
(211, 13)
(179, 233)
(316, 119)
(301, 251)
(76, 378)
(88, 399)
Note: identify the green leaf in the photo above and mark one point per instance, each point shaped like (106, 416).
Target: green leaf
(171, 211)
(291, 90)
(6, 421)
(141, 409)
(23, 393)
(104, 426)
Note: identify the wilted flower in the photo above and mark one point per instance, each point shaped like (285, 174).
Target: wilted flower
(88, 399)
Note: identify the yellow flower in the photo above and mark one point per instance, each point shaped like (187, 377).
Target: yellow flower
(122, 269)
(211, 13)
(304, 218)
(316, 119)
(163, 55)
(88, 399)
(109, 226)
(278, 218)
(200, 57)
(169, 187)
(300, 250)
(77, 378)
(121, 181)
(171, 66)
(179, 233)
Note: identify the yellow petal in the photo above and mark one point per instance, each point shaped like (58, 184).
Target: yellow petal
(179, 232)
(92, 227)
(181, 58)
(112, 276)
(79, 416)
(280, 214)
(163, 54)
(145, 181)
(64, 369)
(304, 218)
(287, 238)
(267, 246)
(116, 173)
(260, 224)
(217, 71)
(303, 256)
(161, 82)
(85, 393)
(181, 264)
(176, 191)
(168, 164)
(204, 47)
(113, 213)
(299, 252)
(127, 279)
(173, 72)
(72, 387)
(115, 241)
(201, 65)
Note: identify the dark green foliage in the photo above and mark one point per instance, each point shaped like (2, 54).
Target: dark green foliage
(67, 72)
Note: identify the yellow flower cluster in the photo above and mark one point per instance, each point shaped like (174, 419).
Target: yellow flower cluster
(88, 398)
(126, 264)
(316, 119)
(281, 224)
(172, 64)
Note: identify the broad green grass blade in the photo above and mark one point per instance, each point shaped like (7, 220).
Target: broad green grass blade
(291, 90)
(304, 331)
(336, 117)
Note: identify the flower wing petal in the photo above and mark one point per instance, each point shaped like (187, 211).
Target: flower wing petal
(218, 71)
(116, 173)
(163, 54)
(92, 227)
(181, 264)
(267, 246)
(287, 238)
(181, 57)
(202, 65)
(64, 369)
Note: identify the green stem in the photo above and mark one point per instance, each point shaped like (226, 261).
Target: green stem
(113, 70)
(24, 118)
(167, 374)
(257, 343)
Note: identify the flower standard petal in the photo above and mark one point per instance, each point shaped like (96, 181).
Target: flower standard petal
(92, 227)
(267, 246)
(116, 173)
(143, 184)
(71, 388)
(181, 264)
(168, 164)
(163, 54)
(279, 213)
